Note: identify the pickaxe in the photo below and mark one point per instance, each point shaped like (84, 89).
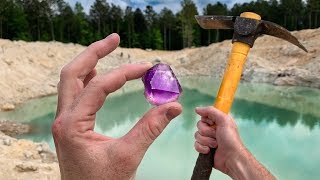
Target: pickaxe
(247, 28)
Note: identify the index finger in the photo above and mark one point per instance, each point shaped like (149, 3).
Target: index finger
(214, 114)
(73, 75)
(94, 95)
(84, 63)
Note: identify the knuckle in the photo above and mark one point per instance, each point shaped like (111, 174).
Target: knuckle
(155, 129)
(95, 81)
(196, 135)
(196, 146)
(211, 108)
(199, 124)
(57, 128)
(215, 144)
(95, 50)
(92, 46)
(125, 66)
(203, 131)
(120, 73)
(59, 85)
(65, 71)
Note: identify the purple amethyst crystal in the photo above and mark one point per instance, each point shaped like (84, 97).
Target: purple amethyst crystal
(161, 85)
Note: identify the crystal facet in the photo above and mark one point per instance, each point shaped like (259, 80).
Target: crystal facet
(161, 85)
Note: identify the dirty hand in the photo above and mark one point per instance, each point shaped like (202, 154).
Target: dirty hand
(231, 157)
(83, 153)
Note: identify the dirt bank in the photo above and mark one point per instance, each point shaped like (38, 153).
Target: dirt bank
(23, 159)
(30, 70)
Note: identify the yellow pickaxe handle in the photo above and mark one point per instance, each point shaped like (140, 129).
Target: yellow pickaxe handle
(228, 87)
(233, 71)
(232, 76)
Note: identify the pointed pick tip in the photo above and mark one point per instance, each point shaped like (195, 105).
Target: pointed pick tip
(305, 49)
(302, 47)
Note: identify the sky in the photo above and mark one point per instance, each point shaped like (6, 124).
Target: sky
(174, 5)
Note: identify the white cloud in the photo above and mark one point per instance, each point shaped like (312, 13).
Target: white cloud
(122, 3)
(173, 6)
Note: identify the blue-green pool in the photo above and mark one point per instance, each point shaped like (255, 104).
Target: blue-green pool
(279, 125)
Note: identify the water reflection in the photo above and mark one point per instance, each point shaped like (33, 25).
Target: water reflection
(263, 113)
(284, 139)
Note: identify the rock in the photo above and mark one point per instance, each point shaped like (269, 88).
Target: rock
(28, 154)
(39, 149)
(21, 160)
(50, 53)
(8, 61)
(157, 60)
(183, 60)
(13, 128)
(47, 155)
(7, 141)
(26, 167)
(8, 107)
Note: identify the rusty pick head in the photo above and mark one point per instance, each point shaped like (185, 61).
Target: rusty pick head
(247, 30)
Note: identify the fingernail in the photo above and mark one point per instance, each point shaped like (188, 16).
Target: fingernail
(197, 109)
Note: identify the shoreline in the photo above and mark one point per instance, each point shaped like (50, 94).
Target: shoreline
(31, 69)
(6, 107)
(263, 93)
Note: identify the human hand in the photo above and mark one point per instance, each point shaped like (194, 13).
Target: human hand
(225, 136)
(231, 156)
(83, 153)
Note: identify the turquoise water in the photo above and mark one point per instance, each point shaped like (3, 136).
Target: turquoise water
(279, 125)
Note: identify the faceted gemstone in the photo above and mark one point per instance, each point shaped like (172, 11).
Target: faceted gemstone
(161, 85)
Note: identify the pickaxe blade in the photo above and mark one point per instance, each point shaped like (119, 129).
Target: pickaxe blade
(275, 30)
(247, 27)
(216, 22)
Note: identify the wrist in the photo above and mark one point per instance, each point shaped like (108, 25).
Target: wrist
(245, 166)
(236, 163)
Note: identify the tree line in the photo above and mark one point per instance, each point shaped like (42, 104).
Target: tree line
(56, 20)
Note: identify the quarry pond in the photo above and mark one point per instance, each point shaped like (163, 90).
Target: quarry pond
(279, 125)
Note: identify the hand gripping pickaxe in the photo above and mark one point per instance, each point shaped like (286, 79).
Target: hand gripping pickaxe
(247, 28)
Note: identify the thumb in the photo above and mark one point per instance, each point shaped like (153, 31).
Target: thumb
(151, 125)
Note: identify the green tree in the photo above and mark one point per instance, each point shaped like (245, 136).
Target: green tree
(82, 29)
(116, 17)
(313, 9)
(167, 21)
(153, 37)
(189, 30)
(128, 30)
(13, 21)
(140, 29)
(49, 11)
(64, 22)
(99, 13)
(216, 9)
(293, 11)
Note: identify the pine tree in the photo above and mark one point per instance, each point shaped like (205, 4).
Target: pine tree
(189, 10)
(167, 21)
